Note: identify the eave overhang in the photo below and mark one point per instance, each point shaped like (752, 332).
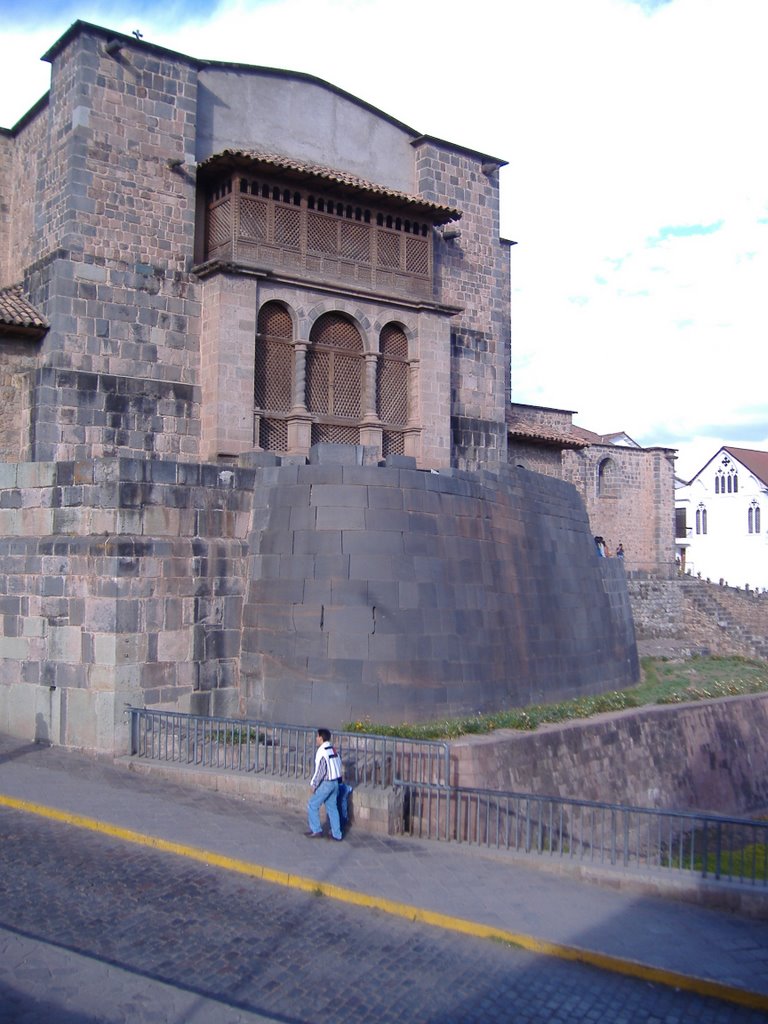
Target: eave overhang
(317, 176)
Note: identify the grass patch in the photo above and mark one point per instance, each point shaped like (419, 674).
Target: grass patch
(746, 863)
(662, 682)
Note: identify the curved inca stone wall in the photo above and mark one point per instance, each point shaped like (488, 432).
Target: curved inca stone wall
(394, 594)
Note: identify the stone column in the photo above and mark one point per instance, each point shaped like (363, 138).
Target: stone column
(370, 426)
(299, 422)
(412, 439)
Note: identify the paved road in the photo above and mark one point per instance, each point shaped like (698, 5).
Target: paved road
(93, 929)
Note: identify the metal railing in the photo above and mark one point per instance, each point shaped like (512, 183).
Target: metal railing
(714, 846)
(283, 750)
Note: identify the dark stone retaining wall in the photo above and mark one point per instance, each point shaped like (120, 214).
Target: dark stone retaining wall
(297, 593)
(704, 756)
(399, 595)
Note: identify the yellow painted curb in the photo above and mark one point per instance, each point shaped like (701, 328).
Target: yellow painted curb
(618, 965)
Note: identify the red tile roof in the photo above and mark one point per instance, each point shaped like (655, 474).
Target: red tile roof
(541, 435)
(755, 462)
(16, 312)
(302, 169)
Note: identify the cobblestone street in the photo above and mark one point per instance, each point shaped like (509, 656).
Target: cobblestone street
(93, 929)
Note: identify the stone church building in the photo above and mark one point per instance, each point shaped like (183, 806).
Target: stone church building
(255, 421)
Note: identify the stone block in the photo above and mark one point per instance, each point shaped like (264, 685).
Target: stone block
(386, 519)
(380, 567)
(330, 518)
(174, 645)
(339, 496)
(400, 462)
(257, 460)
(302, 517)
(339, 454)
(348, 592)
(36, 474)
(318, 592)
(297, 567)
(348, 645)
(332, 567)
(312, 542)
(64, 644)
(375, 478)
(348, 619)
(370, 542)
(326, 473)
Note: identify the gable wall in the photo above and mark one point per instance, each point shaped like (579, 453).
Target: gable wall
(272, 113)
(727, 552)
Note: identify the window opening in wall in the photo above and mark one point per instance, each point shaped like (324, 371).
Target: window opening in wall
(334, 385)
(607, 479)
(681, 526)
(392, 399)
(753, 518)
(701, 519)
(727, 478)
(273, 373)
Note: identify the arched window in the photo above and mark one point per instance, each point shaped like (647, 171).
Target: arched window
(335, 379)
(701, 519)
(607, 479)
(392, 388)
(272, 376)
(753, 518)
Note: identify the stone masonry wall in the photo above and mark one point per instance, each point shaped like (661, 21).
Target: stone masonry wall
(537, 457)
(403, 595)
(80, 415)
(708, 756)
(294, 592)
(115, 247)
(472, 273)
(636, 508)
(18, 358)
(6, 196)
(122, 583)
(22, 168)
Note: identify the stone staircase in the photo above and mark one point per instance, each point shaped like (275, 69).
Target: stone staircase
(737, 619)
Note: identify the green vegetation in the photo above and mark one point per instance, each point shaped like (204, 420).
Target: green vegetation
(662, 682)
(746, 863)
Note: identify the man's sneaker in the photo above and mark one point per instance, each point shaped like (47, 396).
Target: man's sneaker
(314, 835)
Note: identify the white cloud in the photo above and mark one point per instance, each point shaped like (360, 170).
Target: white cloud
(618, 120)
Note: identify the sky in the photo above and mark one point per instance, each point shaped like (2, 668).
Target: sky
(636, 186)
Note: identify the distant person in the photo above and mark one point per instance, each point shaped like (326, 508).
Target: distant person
(620, 550)
(600, 546)
(325, 788)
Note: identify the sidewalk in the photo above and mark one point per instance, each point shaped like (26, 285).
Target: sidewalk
(459, 887)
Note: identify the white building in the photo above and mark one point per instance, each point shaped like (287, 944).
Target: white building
(722, 519)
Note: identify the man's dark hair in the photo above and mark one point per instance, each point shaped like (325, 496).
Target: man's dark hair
(325, 735)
